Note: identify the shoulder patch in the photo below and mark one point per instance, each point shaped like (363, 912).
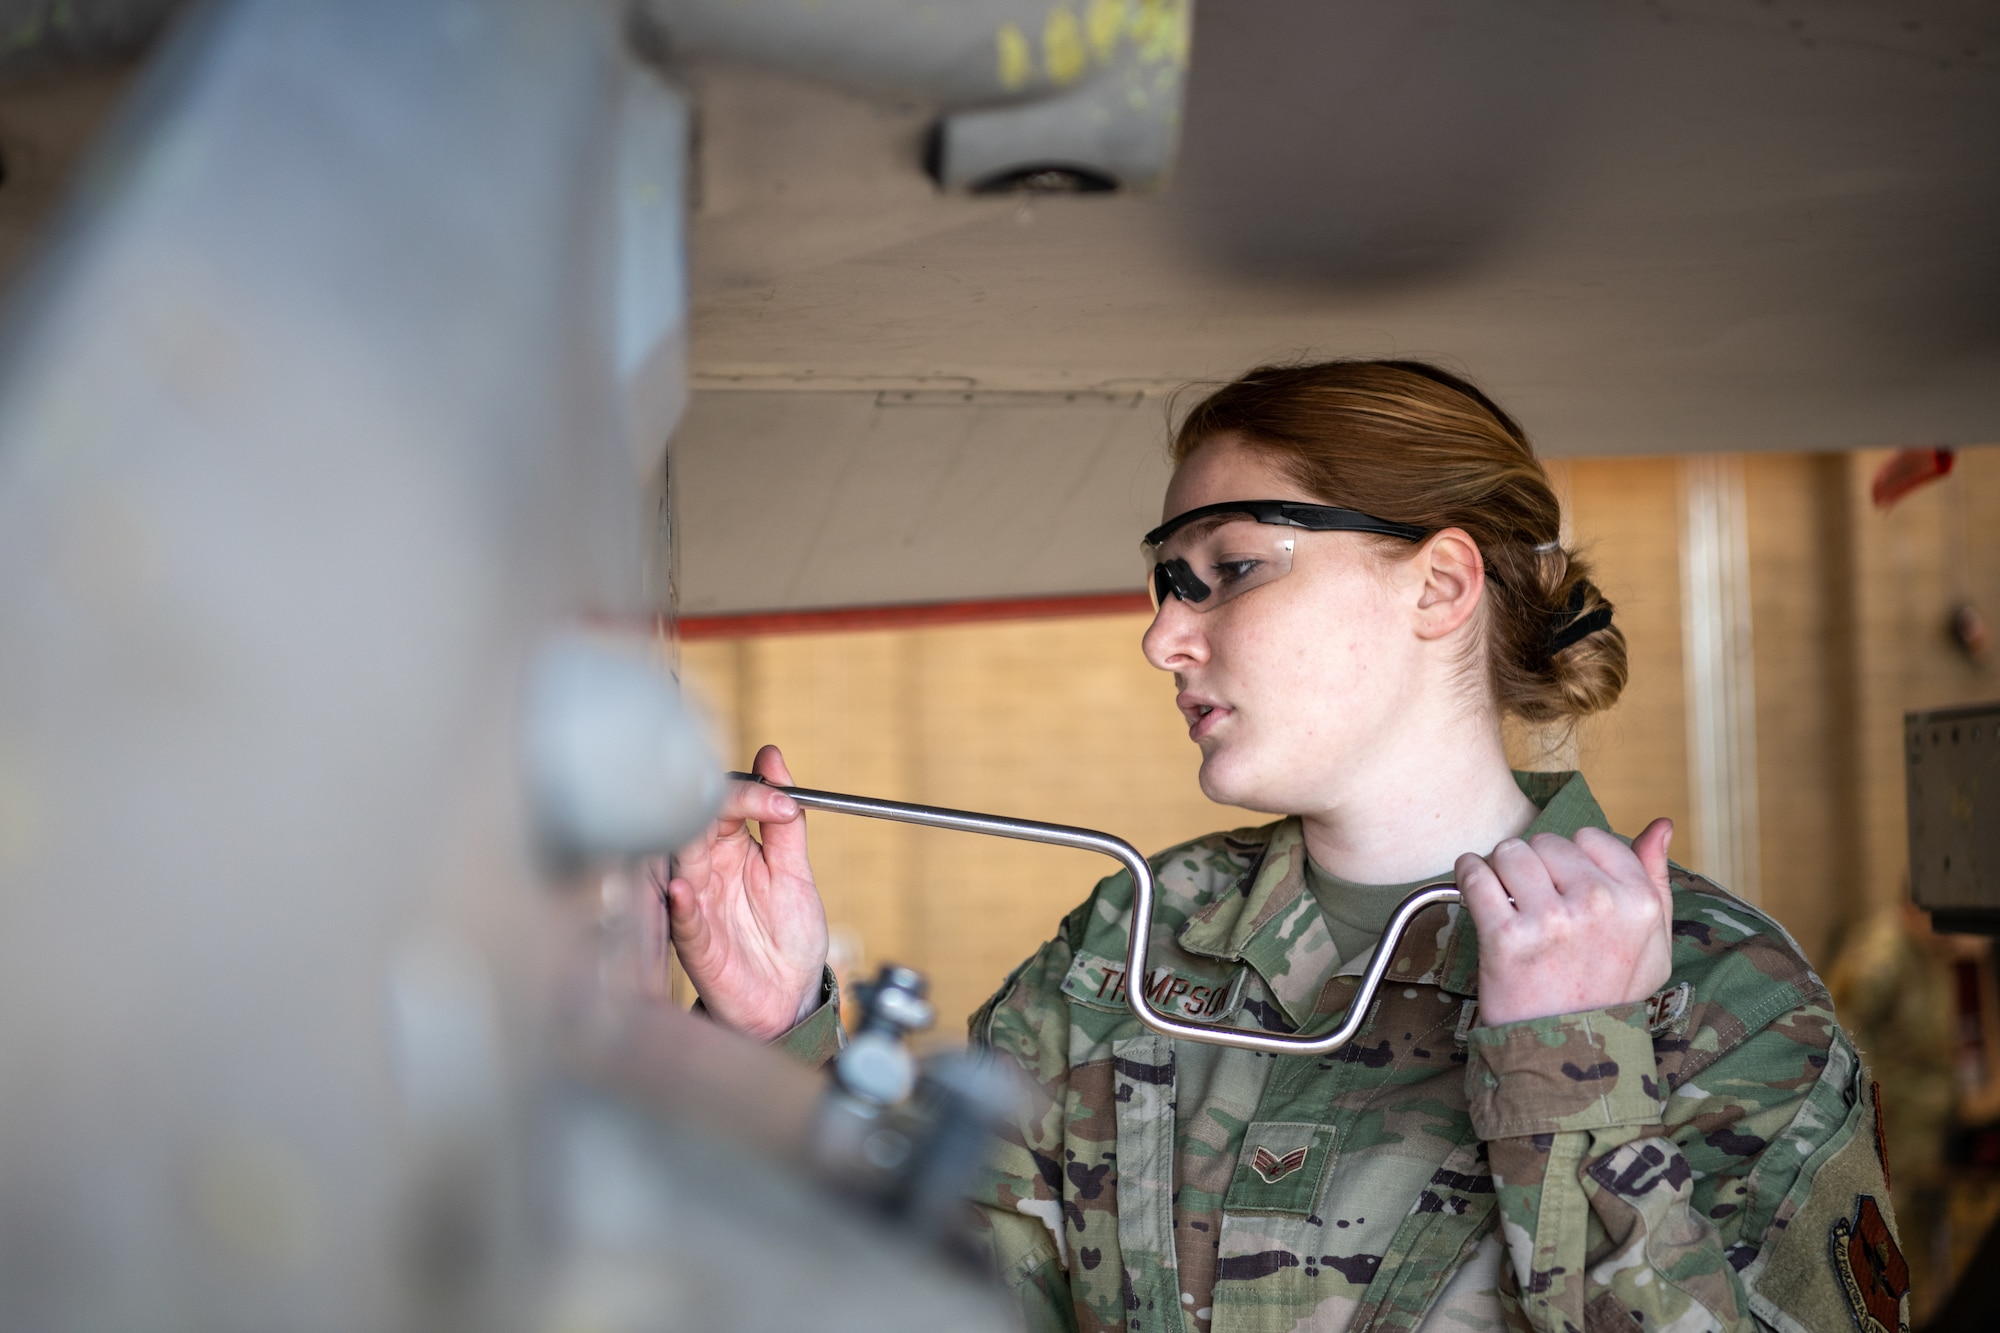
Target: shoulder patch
(1881, 1134)
(1828, 1257)
(1871, 1266)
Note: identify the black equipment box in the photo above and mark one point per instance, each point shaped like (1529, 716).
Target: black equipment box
(1952, 764)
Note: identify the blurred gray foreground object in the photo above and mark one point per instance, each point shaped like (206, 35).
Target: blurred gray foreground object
(340, 392)
(1032, 96)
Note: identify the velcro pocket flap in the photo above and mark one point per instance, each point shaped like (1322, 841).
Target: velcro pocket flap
(1281, 1168)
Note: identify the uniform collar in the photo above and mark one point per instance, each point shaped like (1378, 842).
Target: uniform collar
(1274, 923)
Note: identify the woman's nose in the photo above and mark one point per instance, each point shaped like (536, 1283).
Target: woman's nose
(1174, 640)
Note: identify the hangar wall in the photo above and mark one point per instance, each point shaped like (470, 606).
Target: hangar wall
(1063, 720)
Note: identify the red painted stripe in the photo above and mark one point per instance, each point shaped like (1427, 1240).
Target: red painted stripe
(915, 615)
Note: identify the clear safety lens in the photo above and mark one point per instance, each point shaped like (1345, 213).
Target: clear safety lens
(1209, 562)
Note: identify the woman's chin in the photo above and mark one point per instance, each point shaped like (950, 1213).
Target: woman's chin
(1225, 783)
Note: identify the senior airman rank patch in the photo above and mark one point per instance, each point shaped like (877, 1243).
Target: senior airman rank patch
(1274, 1168)
(1871, 1266)
(1281, 1168)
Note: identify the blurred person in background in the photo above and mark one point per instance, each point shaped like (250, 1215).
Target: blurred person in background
(1892, 984)
(1920, 1007)
(1604, 1094)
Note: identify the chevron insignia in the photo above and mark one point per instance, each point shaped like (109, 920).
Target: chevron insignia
(1273, 1168)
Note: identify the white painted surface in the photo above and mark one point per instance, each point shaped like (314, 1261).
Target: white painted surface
(1720, 673)
(793, 500)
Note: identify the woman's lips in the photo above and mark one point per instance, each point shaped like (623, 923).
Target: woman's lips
(1203, 717)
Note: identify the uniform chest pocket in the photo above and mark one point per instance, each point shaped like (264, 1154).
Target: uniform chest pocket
(1281, 1169)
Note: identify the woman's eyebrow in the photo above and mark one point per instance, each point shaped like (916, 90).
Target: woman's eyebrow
(1201, 527)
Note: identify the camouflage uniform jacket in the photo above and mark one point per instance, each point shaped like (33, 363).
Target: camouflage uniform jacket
(1706, 1159)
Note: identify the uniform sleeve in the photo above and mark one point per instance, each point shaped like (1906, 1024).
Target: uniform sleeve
(1017, 1196)
(1630, 1199)
(816, 1038)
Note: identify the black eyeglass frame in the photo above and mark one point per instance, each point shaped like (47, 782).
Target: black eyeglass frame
(1289, 513)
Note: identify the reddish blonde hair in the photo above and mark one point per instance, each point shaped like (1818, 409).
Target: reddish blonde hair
(1411, 443)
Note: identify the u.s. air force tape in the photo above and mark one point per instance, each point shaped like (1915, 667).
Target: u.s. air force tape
(1100, 982)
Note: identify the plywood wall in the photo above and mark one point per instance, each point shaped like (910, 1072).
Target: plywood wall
(1064, 720)
(1057, 719)
(1624, 516)
(1908, 567)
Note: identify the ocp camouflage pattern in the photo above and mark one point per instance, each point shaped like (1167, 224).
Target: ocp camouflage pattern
(1670, 1165)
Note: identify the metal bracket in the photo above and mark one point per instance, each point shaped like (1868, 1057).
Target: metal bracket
(1104, 844)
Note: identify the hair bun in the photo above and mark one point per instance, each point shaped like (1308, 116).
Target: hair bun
(1572, 623)
(1583, 664)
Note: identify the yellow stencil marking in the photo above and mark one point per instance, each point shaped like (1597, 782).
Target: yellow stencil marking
(1017, 62)
(1104, 20)
(1161, 31)
(1062, 46)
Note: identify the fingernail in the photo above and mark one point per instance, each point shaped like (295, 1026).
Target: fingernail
(785, 807)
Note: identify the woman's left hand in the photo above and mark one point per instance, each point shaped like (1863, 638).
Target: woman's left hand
(1567, 926)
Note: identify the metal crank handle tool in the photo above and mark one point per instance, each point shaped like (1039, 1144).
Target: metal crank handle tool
(1104, 844)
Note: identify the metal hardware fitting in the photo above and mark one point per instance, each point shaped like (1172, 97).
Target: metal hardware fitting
(1090, 840)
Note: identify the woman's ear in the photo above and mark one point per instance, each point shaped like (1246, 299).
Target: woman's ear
(1453, 578)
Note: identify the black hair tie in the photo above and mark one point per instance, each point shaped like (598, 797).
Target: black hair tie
(1569, 625)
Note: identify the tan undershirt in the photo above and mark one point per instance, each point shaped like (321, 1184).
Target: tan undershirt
(1357, 914)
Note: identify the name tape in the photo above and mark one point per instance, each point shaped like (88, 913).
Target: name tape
(1101, 982)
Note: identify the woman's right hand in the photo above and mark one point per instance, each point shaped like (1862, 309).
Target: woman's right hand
(746, 919)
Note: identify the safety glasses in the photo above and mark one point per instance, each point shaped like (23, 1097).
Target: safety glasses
(1218, 552)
